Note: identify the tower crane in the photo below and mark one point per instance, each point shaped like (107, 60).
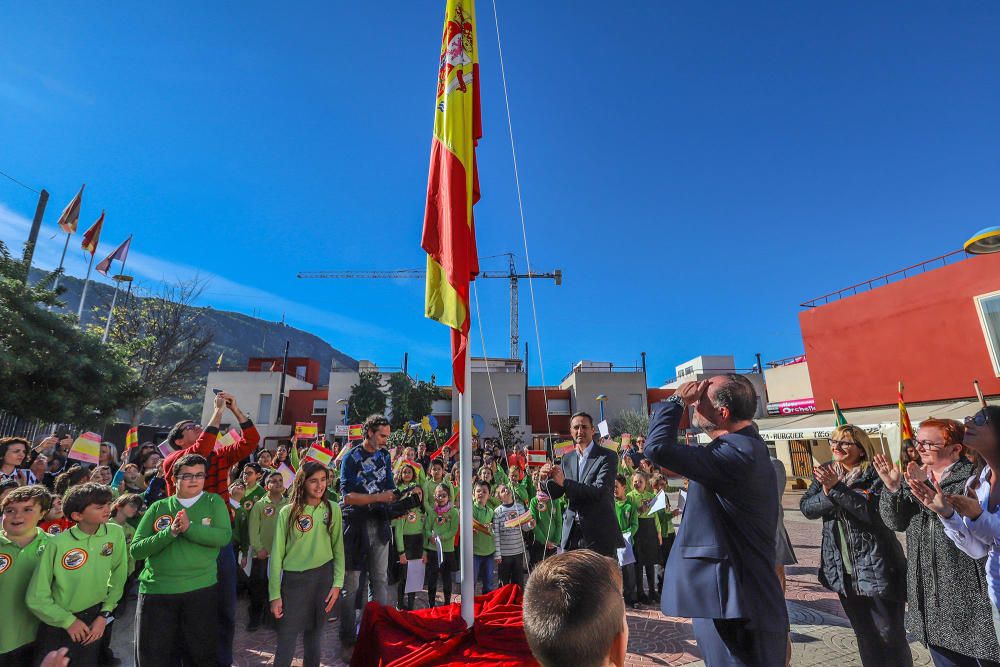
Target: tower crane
(511, 274)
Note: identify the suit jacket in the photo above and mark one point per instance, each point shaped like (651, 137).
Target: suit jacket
(591, 500)
(722, 561)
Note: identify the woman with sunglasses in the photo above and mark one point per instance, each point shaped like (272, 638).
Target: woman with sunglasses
(861, 560)
(971, 519)
(946, 588)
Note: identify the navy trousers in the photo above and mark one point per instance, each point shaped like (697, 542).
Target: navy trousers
(729, 643)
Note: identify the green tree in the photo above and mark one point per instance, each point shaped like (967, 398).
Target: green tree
(629, 421)
(411, 400)
(509, 436)
(367, 397)
(163, 339)
(49, 369)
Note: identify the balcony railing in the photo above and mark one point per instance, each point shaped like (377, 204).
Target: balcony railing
(787, 361)
(902, 274)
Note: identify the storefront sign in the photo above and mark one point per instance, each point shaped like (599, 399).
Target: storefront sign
(797, 407)
(812, 433)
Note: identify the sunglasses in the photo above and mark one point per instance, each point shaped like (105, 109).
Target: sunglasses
(979, 419)
(191, 427)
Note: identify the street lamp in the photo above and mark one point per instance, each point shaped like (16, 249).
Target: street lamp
(601, 399)
(346, 402)
(984, 242)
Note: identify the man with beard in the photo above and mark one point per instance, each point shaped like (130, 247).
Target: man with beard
(721, 569)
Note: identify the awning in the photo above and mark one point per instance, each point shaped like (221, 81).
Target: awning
(881, 420)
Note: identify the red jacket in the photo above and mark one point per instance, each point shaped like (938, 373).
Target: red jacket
(219, 461)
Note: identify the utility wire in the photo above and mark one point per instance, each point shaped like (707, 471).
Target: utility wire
(26, 187)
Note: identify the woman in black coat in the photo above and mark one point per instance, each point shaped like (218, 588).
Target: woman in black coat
(949, 606)
(861, 559)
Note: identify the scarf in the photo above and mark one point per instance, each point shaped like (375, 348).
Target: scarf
(541, 495)
(442, 509)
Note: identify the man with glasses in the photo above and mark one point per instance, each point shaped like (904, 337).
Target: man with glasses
(189, 438)
(179, 538)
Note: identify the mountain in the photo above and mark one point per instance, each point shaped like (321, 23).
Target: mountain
(237, 336)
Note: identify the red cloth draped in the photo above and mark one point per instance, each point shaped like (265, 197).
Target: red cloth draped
(438, 636)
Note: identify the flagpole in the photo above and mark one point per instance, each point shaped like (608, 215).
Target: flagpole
(61, 260)
(107, 325)
(86, 283)
(465, 483)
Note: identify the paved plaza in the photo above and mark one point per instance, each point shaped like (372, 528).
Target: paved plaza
(821, 634)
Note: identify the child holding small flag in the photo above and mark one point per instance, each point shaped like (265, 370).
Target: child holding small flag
(262, 520)
(646, 542)
(547, 514)
(409, 533)
(483, 546)
(628, 523)
(306, 569)
(508, 525)
(441, 523)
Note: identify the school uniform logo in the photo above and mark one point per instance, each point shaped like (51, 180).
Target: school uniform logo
(411, 517)
(326, 519)
(5, 562)
(304, 523)
(207, 521)
(269, 511)
(542, 506)
(441, 518)
(162, 522)
(248, 505)
(74, 559)
(54, 529)
(108, 549)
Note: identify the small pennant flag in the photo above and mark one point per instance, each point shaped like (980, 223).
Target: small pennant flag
(120, 253)
(517, 521)
(86, 448)
(71, 214)
(840, 418)
(306, 429)
(480, 527)
(218, 362)
(227, 439)
(287, 474)
(355, 432)
(561, 449)
(905, 427)
(132, 438)
(319, 454)
(450, 443)
(535, 457)
(92, 236)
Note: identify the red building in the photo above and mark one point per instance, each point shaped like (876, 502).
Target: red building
(935, 330)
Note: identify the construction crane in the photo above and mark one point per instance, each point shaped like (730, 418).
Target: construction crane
(511, 274)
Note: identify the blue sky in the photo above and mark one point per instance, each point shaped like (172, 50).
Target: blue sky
(695, 169)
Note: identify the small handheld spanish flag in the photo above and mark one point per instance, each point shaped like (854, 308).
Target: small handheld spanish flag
(132, 438)
(320, 455)
(355, 432)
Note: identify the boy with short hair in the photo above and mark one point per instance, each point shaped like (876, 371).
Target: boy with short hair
(80, 577)
(21, 547)
(483, 547)
(179, 537)
(262, 520)
(557, 632)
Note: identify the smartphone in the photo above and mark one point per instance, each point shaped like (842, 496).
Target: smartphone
(216, 391)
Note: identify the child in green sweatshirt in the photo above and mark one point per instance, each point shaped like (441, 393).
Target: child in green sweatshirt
(124, 509)
(179, 537)
(408, 531)
(437, 476)
(441, 523)
(21, 545)
(262, 520)
(80, 577)
(307, 565)
(548, 514)
(646, 542)
(628, 523)
(483, 546)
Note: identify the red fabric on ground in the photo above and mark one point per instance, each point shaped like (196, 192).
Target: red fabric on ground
(438, 636)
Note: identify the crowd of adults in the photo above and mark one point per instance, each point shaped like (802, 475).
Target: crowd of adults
(188, 524)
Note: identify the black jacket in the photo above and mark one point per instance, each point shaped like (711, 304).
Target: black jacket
(591, 500)
(876, 555)
(949, 605)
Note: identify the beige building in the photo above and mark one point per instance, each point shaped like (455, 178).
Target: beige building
(499, 387)
(257, 393)
(624, 388)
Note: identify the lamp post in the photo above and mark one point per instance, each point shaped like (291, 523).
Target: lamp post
(601, 399)
(346, 402)
(984, 242)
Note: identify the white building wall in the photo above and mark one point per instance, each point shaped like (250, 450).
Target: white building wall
(625, 391)
(247, 387)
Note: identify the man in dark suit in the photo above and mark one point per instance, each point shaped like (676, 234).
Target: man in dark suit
(721, 569)
(586, 476)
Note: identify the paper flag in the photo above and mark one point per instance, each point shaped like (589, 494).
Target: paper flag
(610, 444)
(625, 555)
(132, 438)
(602, 428)
(356, 432)
(659, 503)
(626, 439)
(319, 455)
(414, 576)
(287, 474)
(535, 457)
(164, 449)
(480, 527)
(306, 429)
(561, 449)
(227, 439)
(518, 521)
(440, 550)
(86, 448)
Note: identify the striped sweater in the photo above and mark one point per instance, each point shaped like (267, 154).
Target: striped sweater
(508, 541)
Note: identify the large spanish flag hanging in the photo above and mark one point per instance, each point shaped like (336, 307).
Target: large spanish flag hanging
(449, 236)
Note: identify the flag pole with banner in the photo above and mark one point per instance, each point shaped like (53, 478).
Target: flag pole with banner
(449, 236)
(120, 253)
(90, 240)
(67, 222)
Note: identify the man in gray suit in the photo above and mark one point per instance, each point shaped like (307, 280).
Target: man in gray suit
(586, 476)
(721, 569)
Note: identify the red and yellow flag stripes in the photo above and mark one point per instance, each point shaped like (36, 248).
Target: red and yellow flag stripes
(449, 235)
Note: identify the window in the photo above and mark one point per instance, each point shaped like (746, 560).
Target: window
(558, 406)
(635, 403)
(300, 372)
(319, 407)
(988, 306)
(264, 409)
(514, 406)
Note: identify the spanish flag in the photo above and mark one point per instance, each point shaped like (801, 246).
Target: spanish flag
(132, 436)
(905, 427)
(92, 236)
(449, 235)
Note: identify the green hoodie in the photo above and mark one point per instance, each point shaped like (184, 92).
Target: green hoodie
(19, 625)
(77, 571)
(186, 562)
(548, 516)
(263, 518)
(482, 542)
